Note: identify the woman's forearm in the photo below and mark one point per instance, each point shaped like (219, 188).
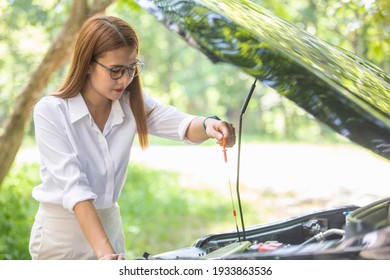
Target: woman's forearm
(195, 131)
(92, 228)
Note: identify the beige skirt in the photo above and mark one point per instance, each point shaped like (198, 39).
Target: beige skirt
(56, 234)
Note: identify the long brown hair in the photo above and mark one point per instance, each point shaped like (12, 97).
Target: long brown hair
(98, 35)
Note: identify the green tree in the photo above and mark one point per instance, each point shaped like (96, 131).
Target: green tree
(360, 26)
(56, 57)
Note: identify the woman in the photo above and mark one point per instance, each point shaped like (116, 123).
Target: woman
(84, 133)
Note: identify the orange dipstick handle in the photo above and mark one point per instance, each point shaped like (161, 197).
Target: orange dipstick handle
(224, 148)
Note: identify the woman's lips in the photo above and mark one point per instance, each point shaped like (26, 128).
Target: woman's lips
(119, 90)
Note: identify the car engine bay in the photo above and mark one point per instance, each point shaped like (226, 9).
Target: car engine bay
(348, 232)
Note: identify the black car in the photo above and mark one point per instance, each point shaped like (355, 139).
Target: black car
(345, 92)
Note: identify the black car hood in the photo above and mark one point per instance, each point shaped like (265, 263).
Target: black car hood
(347, 93)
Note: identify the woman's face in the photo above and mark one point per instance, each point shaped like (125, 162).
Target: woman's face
(100, 82)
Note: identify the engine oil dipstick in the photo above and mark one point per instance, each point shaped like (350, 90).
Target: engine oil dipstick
(224, 151)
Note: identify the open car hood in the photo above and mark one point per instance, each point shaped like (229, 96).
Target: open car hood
(347, 93)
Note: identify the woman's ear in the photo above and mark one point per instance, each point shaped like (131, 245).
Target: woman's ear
(89, 69)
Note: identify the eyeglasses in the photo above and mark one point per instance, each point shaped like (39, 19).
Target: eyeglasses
(118, 72)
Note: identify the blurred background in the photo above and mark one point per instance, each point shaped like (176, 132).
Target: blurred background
(290, 163)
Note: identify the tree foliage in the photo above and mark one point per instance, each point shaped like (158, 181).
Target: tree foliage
(360, 26)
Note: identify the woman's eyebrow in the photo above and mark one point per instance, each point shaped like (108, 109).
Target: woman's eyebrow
(122, 65)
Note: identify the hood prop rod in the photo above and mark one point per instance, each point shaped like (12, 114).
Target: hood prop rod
(243, 109)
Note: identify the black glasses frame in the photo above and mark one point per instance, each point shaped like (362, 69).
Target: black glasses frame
(140, 65)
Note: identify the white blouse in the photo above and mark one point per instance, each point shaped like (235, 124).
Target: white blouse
(78, 161)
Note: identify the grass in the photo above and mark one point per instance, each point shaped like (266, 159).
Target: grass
(17, 211)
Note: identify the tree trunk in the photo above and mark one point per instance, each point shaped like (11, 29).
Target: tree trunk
(55, 58)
